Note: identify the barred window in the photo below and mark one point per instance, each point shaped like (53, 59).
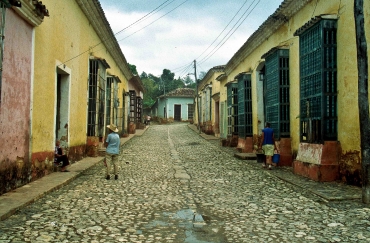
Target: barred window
(318, 81)
(109, 100)
(139, 108)
(232, 109)
(245, 115)
(277, 93)
(190, 111)
(96, 98)
(133, 106)
(208, 103)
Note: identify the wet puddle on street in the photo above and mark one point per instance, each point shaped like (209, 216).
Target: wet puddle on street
(196, 226)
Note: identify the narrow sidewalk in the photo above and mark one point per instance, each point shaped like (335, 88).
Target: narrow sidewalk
(19, 198)
(329, 191)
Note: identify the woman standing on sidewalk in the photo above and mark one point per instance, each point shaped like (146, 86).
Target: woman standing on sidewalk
(112, 143)
(268, 144)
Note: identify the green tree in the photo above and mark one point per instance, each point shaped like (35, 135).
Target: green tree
(167, 78)
(188, 81)
(133, 69)
(143, 75)
(202, 74)
(178, 83)
(149, 97)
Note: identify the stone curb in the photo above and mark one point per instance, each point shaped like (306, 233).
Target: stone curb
(21, 197)
(329, 191)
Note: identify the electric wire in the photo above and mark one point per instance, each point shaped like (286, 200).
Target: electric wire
(314, 10)
(185, 70)
(223, 29)
(201, 69)
(157, 9)
(229, 35)
(154, 20)
(182, 67)
(160, 7)
(147, 24)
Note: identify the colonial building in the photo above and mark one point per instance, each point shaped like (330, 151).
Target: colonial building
(299, 72)
(18, 22)
(177, 104)
(64, 78)
(209, 101)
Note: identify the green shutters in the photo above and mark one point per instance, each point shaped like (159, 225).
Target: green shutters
(277, 93)
(318, 82)
(232, 109)
(245, 126)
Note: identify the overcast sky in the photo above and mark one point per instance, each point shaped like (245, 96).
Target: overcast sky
(171, 34)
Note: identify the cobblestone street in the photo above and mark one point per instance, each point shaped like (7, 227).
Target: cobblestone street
(175, 186)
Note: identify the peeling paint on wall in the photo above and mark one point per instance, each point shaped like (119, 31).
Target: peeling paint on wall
(310, 153)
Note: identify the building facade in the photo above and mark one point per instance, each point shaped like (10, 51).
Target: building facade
(18, 24)
(177, 105)
(72, 80)
(209, 102)
(298, 71)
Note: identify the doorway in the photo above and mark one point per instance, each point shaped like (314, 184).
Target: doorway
(217, 117)
(177, 113)
(62, 107)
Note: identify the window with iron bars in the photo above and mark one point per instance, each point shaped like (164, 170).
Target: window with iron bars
(232, 109)
(96, 98)
(139, 109)
(318, 82)
(208, 104)
(109, 101)
(277, 92)
(245, 115)
(112, 101)
(121, 112)
(190, 111)
(132, 116)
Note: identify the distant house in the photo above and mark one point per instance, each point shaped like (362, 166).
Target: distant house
(177, 104)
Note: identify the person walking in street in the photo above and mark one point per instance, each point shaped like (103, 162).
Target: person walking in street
(268, 144)
(112, 144)
(148, 119)
(60, 159)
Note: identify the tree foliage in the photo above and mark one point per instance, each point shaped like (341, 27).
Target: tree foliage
(133, 69)
(157, 86)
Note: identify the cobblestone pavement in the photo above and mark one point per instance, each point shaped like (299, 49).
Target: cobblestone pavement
(175, 186)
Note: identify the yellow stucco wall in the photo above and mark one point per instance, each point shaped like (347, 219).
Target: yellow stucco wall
(215, 90)
(210, 79)
(64, 37)
(348, 123)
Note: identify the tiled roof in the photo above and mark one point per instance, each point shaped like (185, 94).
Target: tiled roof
(181, 92)
(285, 11)
(312, 22)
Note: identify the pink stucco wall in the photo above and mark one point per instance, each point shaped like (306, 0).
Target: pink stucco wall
(16, 89)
